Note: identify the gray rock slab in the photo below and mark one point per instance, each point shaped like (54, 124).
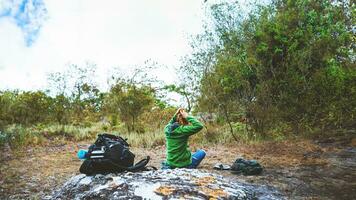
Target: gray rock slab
(162, 184)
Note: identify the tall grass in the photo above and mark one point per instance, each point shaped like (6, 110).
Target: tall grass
(17, 136)
(71, 132)
(20, 136)
(147, 140)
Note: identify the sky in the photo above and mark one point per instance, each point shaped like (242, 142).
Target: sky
(42, 36)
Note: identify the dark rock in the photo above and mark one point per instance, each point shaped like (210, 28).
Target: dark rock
(161, 184)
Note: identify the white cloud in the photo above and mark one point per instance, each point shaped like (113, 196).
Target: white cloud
(108, 33)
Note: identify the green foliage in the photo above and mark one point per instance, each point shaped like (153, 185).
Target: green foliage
(130, 102)
(60, 109)
(19, 136)
(3, 138)
(75, 109)
(288, 64)
(77, 97)
(23, 107)
(182, 90)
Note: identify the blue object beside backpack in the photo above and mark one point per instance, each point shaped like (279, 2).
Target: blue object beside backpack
(82, 154)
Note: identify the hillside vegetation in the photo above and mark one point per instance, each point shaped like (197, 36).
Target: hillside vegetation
(275, 71)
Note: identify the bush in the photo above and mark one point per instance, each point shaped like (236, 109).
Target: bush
(287, 64)
(18, 136)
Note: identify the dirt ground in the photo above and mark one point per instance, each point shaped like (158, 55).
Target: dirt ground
(300, 169)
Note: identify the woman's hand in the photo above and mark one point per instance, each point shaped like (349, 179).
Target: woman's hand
(184, 113)
(178, 111)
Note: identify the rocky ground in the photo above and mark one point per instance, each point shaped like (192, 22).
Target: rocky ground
(162, 184)
(298, 169)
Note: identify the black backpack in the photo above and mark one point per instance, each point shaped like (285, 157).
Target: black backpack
(110, 154)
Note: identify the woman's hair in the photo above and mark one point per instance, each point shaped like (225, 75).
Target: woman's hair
(181, 120)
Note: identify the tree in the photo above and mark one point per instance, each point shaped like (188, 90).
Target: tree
(77, 94)
(182, 90)
(24, 107)
(289, 62)
(130, 101)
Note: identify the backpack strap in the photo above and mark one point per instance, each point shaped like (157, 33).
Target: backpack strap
(140, 166)
(150, 168)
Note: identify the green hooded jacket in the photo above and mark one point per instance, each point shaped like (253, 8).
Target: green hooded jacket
(178, 154)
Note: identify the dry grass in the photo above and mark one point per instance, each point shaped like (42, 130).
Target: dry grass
(36, 170)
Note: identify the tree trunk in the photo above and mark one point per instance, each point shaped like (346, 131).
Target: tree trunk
(188, 101)
(133, 123)
(229, 122)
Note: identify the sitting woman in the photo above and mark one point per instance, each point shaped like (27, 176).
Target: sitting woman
(177, 132)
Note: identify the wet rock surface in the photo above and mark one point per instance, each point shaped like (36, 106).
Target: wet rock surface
(162, 184)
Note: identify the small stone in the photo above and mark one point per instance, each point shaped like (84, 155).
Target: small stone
(47, 197)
